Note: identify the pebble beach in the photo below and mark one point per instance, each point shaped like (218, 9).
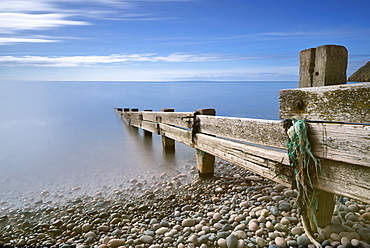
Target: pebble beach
(234, 209)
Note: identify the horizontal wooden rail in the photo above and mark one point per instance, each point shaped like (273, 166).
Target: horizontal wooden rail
(348, 103)
(251, 143)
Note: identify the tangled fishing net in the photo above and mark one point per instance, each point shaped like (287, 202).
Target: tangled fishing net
(305, 167)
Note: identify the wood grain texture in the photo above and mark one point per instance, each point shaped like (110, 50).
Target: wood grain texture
(345, 179)
(261, 132)
(150, 126)
(348, 103)
(181, 119)
(341, 142)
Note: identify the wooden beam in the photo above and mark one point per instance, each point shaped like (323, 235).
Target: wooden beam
(149, 126)
(181, 119)
(244, 156)
(341, 142)
(341, 103)
(345, 179)
(263, 132)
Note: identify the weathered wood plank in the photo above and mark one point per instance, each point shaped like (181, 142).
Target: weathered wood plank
(135, 123)
(175, 133)
(181, 119)
(261, 132)
(341, 142)
(341, 103)
(239, 154)
(150, 126)
(345, 179)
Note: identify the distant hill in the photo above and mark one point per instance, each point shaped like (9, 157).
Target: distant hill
(361, 75)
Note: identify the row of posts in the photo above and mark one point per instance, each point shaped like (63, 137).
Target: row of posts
(205, 161)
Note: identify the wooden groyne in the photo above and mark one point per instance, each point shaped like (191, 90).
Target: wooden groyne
(336, 114)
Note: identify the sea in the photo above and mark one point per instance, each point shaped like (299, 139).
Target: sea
(65, 137)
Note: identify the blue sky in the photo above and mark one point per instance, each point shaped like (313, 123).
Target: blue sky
(157, 40)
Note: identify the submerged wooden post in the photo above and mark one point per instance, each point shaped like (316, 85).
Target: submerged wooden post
(323, 66)
(167, 143)
(205, 161)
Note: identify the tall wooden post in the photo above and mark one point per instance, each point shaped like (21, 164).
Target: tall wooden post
(205, 161)
(167, 143)
(323, 66)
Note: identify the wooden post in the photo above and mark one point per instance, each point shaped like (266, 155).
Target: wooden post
(322, 66)
(167, 143)
(205, 161)
(134, 128)
(148, 134)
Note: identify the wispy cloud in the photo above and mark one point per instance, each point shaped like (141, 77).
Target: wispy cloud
(7, 41)
(13, 22)
(69, 61)
(18, 16)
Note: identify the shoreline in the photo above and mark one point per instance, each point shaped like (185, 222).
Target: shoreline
(235, 209)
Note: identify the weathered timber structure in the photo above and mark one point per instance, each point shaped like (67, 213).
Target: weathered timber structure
(338, 120)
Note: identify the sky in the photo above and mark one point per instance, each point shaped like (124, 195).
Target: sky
(174, 40)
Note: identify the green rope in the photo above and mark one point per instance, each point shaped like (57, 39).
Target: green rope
(305, 167)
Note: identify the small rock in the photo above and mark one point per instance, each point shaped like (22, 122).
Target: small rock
(279, 187)
(280, 227)
(116, 242)
(355, 242)
(231, 241)
(261, 242)
(161, 230)
(146, 239)
(297, 230)
(281, 242)
(86, 227)
(253, 226)
(284, 206)
(303, 240)
(188, 223)
(222, 243)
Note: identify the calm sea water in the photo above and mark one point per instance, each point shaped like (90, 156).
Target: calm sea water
(62, 135)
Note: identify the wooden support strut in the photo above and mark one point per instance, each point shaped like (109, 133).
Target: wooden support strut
(205, 161)
(148, 134)
(167, 143)
(322, 66)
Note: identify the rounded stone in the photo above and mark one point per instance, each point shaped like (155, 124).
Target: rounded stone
(280, 227)
(281, 242)
(116, 242)
(86, 227)
(222, 243)
(146, 239)
(231, 241)
(161, 230)
(188, 223)
(261, 242)
(303, 240)
(335, 236)
(253, 226)
(297, 230)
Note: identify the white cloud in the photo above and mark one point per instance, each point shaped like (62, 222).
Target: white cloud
(7, 41)
(68, 61)
(12, 22)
